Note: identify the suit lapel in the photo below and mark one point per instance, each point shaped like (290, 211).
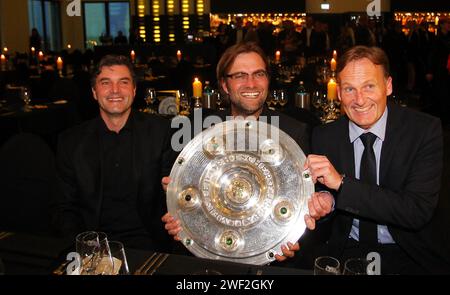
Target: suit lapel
(346, 156)
(390, 141)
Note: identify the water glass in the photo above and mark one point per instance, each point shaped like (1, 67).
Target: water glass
(326, 265)
(92, 247)
(356, 266)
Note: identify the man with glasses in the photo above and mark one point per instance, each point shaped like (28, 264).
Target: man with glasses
(243, 76)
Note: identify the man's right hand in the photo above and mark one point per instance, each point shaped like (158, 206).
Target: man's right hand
(172, 225)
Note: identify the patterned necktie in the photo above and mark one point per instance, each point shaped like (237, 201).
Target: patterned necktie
(368, 174)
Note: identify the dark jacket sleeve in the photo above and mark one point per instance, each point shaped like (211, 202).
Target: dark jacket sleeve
(67, 218)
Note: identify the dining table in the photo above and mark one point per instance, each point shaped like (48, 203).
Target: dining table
(28, 254)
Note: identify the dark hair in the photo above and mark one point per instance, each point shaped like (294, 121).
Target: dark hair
(375, 54)
(113, 60)
(228, 57)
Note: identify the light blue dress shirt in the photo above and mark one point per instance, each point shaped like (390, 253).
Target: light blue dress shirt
(379, 129)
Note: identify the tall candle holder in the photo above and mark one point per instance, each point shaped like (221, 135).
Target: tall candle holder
(197, 102)
(331, 112)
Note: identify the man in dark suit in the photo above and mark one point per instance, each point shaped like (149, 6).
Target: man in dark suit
(110, 168)
(383, 165)
(243, 76)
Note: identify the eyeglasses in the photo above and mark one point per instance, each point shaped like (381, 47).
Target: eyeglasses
(243, 77)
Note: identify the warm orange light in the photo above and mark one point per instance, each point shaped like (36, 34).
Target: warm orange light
(59, 64)
(197, 88)
(277, 55)
(332, 89)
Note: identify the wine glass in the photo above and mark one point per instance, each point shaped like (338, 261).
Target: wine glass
(26, 97)
(326, 265)
(185, 104)
(317, 99)
(282, 98)
(219, 101)
(150, 99)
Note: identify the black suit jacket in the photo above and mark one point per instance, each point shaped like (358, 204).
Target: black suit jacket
(405, 199)
(80, 176)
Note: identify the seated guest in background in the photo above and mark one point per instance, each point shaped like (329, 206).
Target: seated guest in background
(109, 168)
(35, 40)
(120, 39)
(383, 164)
(243, 76)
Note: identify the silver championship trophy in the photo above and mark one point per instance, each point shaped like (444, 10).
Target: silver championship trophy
(240, 192)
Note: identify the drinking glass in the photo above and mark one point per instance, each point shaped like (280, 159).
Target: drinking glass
(185, 104)
(326, 265)
(356, 266)
(26, 97)
(150, 99)
(92, 247)
(219, 101)
(118, 258)
(317, 99)
(282, 98)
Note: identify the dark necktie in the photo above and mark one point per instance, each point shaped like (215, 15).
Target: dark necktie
(368, 174)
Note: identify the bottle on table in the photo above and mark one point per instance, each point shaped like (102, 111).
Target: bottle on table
(302, 99)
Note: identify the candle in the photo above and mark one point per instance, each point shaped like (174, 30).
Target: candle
(197, 88)
(3, 61)
(333, 64)
(436, 20)
(179, 55)
(331, 89)
(69, 46)
(41, 56)
(5, 49)
(277, 55)
(59, 64)
(133, 56)
(335, 54)
(33, 51)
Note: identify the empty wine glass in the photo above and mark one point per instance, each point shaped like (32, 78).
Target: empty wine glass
(316, 99)
(219, 101)
(282, 98)
(26, 97)
(185, 104)
(150, 99)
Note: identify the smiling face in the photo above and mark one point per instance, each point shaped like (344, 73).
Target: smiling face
(248, 95)
(114, 90)
(363, 90)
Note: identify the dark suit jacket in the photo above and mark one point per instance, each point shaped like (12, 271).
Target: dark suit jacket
(80, 176)
(405, 200)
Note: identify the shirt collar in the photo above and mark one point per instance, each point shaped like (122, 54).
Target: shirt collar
(127, 126)
(379, 128)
